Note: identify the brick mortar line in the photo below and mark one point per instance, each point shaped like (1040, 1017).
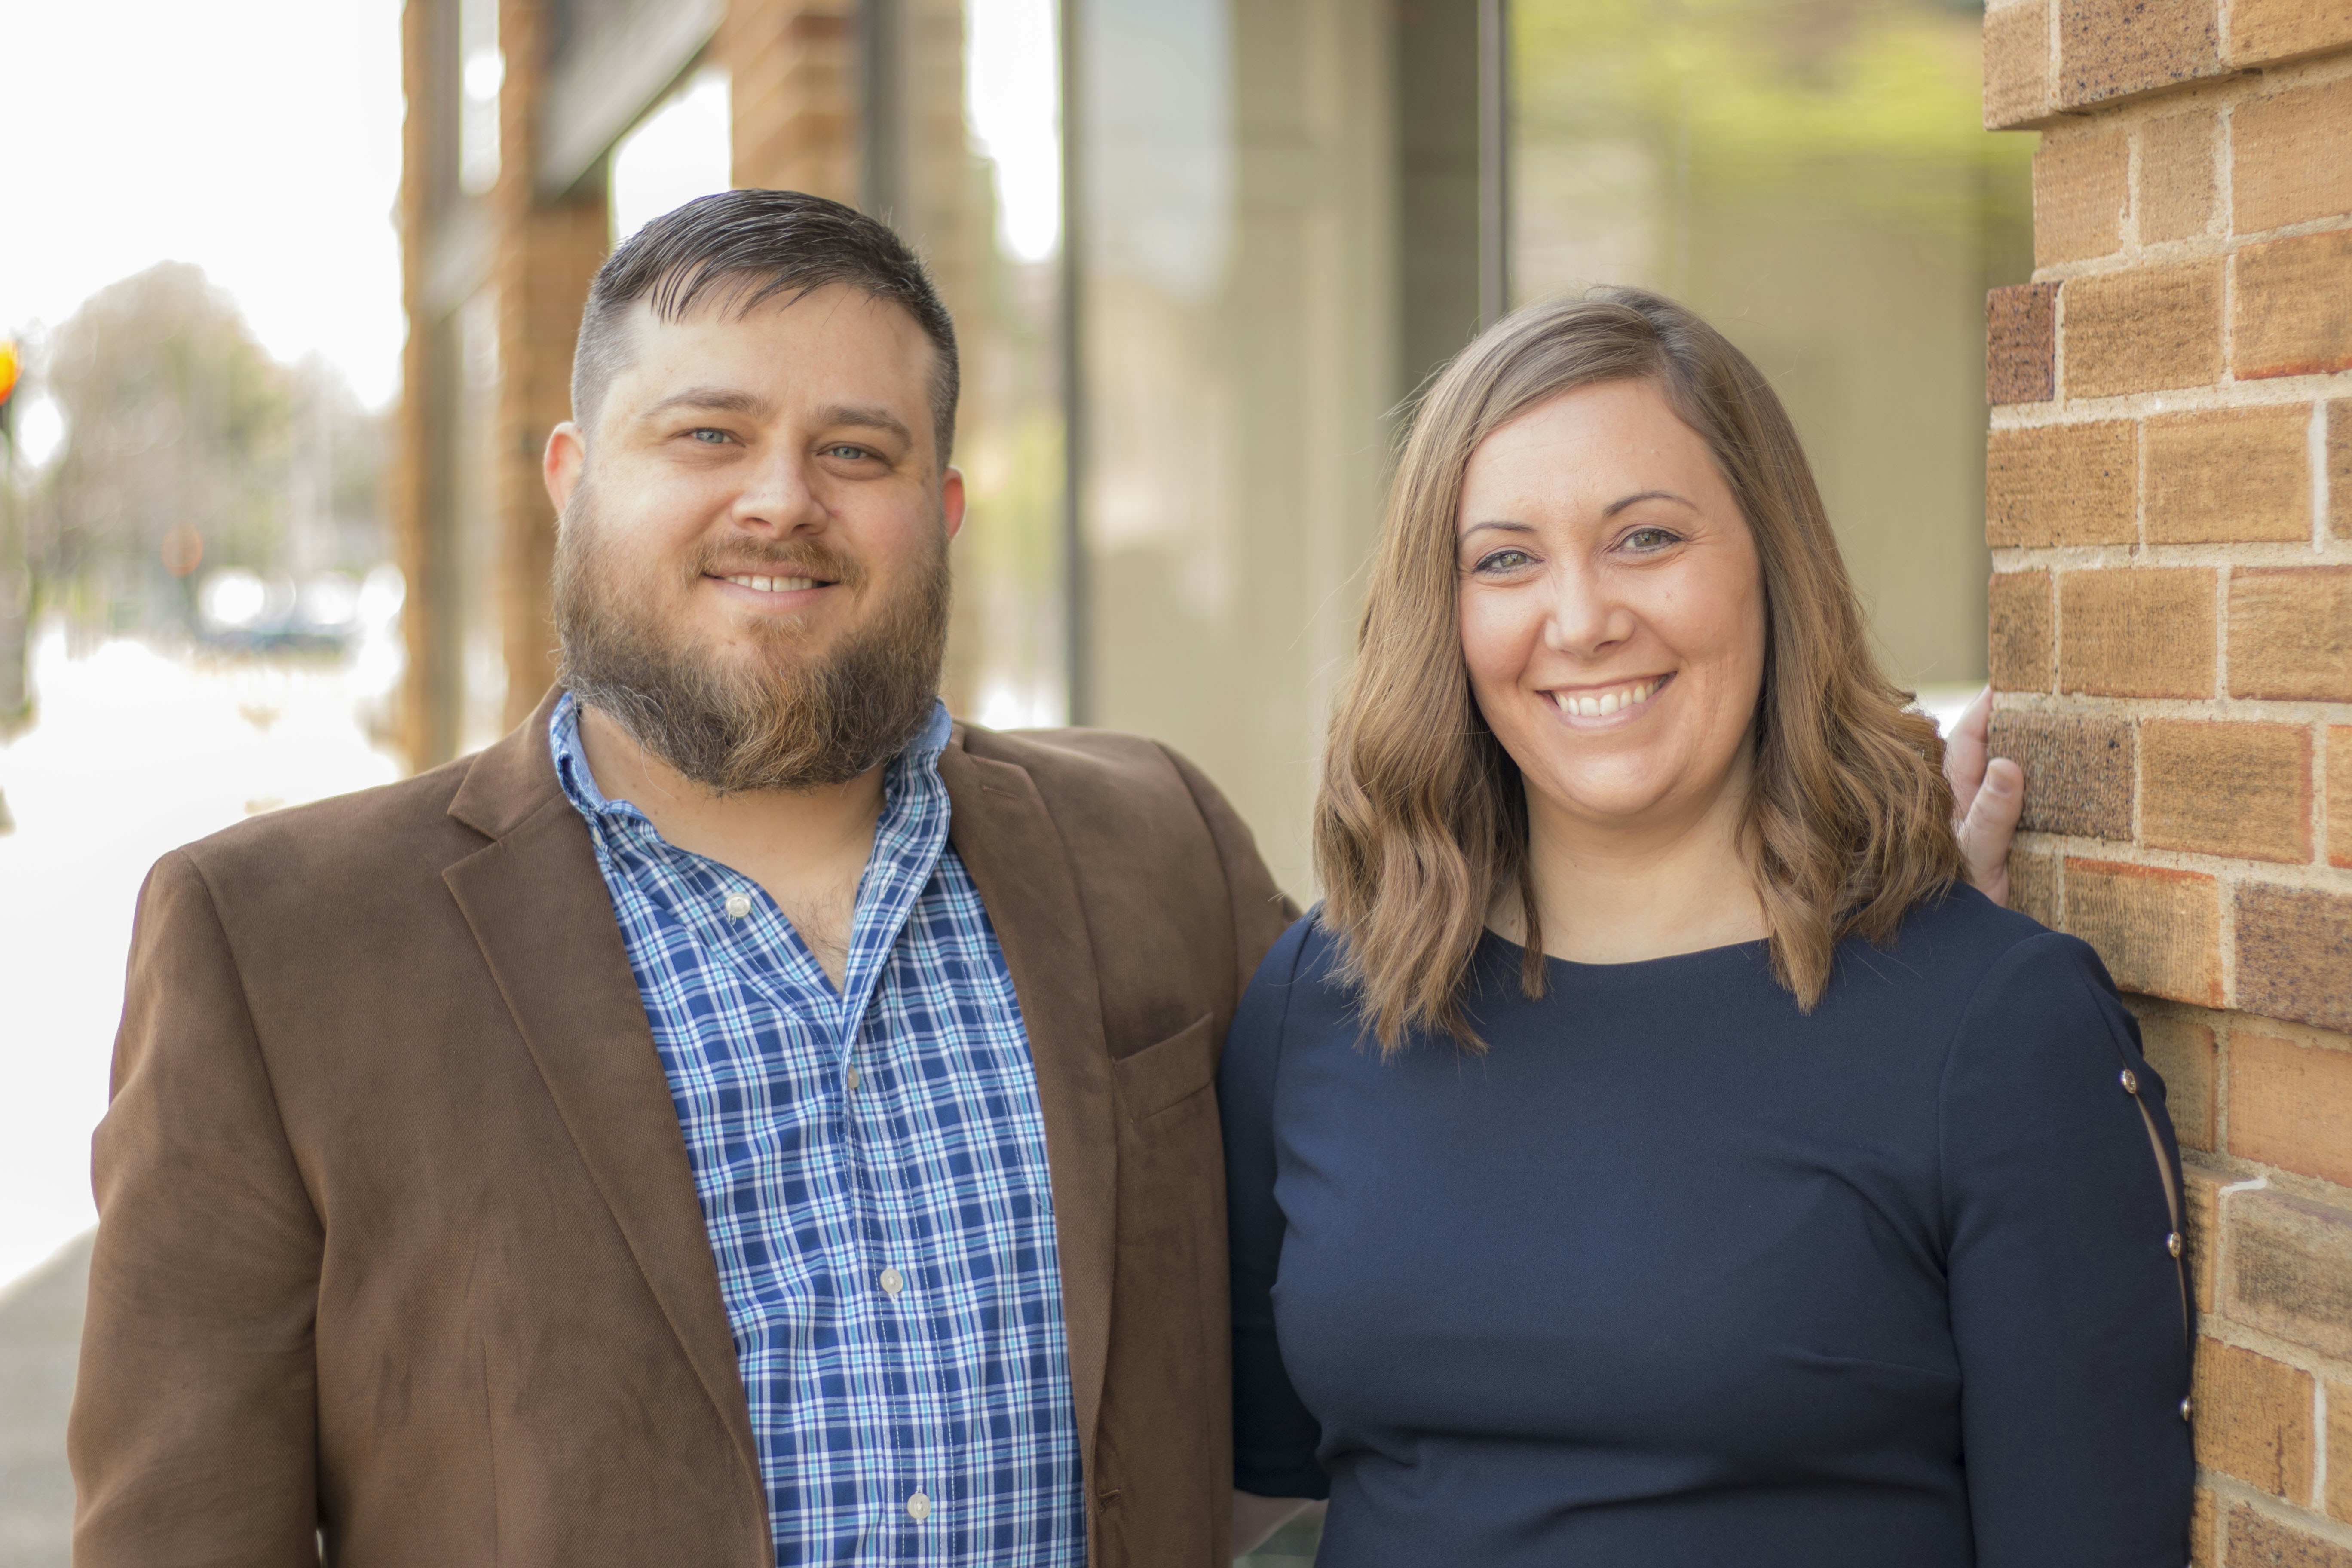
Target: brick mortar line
(2319, 1445)
(2127, 229)
(2228, 86)
(2226, 1021)
(2242, 1336)
(2057, 301)
(2231, 872)
(2124, 555)
(2225, 933)
(2226, 1170)
(2223, 1485)
(2225, 185)
(2255, 392)
(2206, 247)
(2241, 709)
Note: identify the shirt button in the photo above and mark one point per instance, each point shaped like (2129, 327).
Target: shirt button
(918, 1508)
(854, 1075)
(2130, 1081)
(738, 905)
(2184, 1409)
(2172, 1244)
(892, 1283)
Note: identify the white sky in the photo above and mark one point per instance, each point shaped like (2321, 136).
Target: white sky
(681, 150)
(258, 139)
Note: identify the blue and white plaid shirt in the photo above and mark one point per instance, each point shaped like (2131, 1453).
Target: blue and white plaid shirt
(871, 1164)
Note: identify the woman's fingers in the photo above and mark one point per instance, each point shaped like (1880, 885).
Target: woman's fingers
(1990, 825)
(1964, 754)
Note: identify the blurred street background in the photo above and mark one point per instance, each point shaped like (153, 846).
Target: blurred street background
(287, 291)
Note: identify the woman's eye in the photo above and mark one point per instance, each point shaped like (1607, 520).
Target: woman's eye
(1503, 561)
(1646, 539)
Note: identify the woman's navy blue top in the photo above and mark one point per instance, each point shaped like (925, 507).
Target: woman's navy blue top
(1675, 1274)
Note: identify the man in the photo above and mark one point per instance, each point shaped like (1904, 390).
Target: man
(739, 1117)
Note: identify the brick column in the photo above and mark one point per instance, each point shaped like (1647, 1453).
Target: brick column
(548, 250)
(415, 490)
(2169, 504)
(793, 70)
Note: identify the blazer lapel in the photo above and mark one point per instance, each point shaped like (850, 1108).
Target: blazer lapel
(1008, 843)
(537, 904)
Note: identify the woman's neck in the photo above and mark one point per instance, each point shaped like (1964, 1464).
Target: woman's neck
(1622, 892)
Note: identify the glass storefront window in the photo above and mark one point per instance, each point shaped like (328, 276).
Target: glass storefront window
(1813, 177)
(990, 190)
(1238, 359)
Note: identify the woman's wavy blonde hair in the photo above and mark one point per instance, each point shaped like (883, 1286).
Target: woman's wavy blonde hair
(1421, 822)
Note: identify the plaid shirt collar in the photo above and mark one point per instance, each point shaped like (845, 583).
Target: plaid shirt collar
(909, 840)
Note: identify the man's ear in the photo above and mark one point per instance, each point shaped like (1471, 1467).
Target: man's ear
(565, 458)
(951, 500)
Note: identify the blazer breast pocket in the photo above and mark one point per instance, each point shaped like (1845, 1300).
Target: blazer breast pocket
(1170, 1072)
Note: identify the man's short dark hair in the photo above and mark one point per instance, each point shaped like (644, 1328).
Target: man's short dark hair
(739, 249)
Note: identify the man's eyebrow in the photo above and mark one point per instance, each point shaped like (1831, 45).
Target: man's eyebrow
(869, 417)
(1617, 506)
(720, 399)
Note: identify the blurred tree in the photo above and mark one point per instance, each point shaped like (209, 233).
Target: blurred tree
(186, 448)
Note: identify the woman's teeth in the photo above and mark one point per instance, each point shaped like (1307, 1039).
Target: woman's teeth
(1600, 704)
(774, 585)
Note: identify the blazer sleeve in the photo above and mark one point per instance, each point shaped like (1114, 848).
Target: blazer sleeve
(192, 1437)
(2069, 1307)
(1275, 1435)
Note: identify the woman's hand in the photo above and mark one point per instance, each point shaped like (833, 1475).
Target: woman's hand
(1986, 799)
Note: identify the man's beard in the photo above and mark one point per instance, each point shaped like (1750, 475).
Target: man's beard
(781, 719)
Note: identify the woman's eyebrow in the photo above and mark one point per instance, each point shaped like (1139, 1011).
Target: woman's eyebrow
(1617, 506)
(1504, 527)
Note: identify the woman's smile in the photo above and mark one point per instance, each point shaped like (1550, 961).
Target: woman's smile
(1607, 707)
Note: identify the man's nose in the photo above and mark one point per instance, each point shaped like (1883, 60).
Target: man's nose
(777, 496)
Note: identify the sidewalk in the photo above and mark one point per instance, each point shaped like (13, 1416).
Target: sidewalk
(40, 1332)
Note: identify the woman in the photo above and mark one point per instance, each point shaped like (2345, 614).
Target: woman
(1651, 1153)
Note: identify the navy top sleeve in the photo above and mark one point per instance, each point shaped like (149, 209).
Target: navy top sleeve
(2059, 1239)
(1676, 1273)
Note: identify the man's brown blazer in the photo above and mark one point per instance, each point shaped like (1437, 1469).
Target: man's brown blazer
(399, 1250)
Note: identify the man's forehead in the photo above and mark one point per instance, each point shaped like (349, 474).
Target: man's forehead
(834, 333)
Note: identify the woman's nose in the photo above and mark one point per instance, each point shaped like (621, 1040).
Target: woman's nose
(1583, 617)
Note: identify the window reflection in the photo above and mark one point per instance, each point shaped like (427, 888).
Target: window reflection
(979, 196)
(1810, 174)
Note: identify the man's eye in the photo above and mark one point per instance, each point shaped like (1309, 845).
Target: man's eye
(851, 454)
(707, 437)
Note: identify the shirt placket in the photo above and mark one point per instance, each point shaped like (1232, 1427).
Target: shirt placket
(739, 926)
(874, 1095)
(901, 1287)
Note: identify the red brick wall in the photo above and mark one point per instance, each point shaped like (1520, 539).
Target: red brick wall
(2169, 504)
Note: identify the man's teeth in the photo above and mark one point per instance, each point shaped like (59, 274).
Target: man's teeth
(1600, 705)
(774, 585)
